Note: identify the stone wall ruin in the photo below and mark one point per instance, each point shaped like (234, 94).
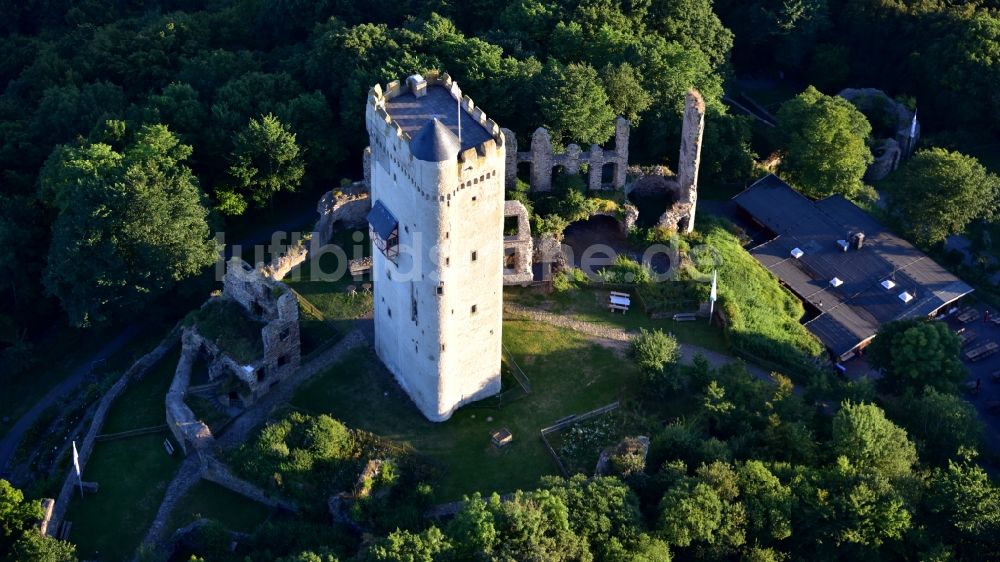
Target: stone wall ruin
(888, 152)
(517, 247)
(543, 160)
(272, 303)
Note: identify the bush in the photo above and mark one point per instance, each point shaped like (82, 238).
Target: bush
(626, 270)
(549, 224)
(654, 351)
(568, 279)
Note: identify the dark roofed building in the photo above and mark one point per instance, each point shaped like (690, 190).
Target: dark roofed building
(849, 269)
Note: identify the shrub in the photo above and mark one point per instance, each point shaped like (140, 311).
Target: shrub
(549, 224)
(568, 279)
(654, 350)
(626, 270)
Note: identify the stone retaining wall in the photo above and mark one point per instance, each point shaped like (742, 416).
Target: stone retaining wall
(135, 373)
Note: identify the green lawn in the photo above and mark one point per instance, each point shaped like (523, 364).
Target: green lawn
(132, 473)
(327, 288)
(568, 373)
(589, 305)
(211, 501)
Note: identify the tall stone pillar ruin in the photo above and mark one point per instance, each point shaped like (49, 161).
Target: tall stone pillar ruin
(541, 160)
(692, 132)
(622, 129)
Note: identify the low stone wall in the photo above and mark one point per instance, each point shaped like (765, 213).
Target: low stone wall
(214, 470)
(292, 258)
(186, 428)
(135, 373)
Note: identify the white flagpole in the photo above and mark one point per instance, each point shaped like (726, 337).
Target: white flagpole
(76, 466)
(712, 296)
(458, 98)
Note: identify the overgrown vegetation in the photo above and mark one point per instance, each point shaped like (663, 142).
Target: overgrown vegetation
(764, 319)
(228, 325)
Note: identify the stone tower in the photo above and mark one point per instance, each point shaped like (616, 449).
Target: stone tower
(692, 131)
(436, 223)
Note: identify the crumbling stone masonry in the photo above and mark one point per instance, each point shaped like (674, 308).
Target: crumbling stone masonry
(189, 432)
(267, 301)
(344, 208)
(543, 160)
(517, 248)
(684, 185)
(688, 164)
(888, 152)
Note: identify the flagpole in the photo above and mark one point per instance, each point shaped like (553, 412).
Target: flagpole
(712, 296)
(76, 466)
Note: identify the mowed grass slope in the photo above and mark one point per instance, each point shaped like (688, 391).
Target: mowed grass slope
(211, 501)
(569, 375)
(133, 473)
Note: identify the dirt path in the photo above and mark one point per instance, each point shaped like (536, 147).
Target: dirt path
(619, 338)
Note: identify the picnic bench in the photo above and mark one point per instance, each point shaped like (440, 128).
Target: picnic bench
(968, 315)
(965, 337)
(619, 301)
(982, 352)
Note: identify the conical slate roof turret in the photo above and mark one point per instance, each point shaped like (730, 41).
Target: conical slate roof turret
(435, 143)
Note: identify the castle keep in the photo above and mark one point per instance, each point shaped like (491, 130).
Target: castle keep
(436, 223)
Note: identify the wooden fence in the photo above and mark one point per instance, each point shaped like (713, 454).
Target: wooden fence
(568, 421)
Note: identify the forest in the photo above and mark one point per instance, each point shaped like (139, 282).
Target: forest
(132, 131)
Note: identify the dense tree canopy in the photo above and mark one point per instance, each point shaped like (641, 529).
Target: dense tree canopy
(19, 536)
(130, 223)
(266, 160)
(938, 193)
(825, 142)
(916, 354)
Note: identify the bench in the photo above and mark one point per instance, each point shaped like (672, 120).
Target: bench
(685, 317)
(619, 301)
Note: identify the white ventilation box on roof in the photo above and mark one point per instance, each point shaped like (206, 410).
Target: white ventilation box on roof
(843, 245)
(797, 253)
(888, 284)
(836, 282)
(905, 297)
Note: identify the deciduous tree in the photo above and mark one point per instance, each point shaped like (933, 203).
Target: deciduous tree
(825, 145)
(939, 192)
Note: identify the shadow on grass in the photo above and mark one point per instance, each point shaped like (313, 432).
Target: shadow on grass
(132, 473)
(569, 375)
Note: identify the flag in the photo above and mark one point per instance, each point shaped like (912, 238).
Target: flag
(714, 295)
(76, 460)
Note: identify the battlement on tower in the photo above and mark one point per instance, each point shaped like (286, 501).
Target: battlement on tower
(402, 109)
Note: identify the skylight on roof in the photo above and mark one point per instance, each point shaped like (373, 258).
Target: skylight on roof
(888, 284)
(836, 282)
(797, 253)
(906, 297)
(843, 245)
